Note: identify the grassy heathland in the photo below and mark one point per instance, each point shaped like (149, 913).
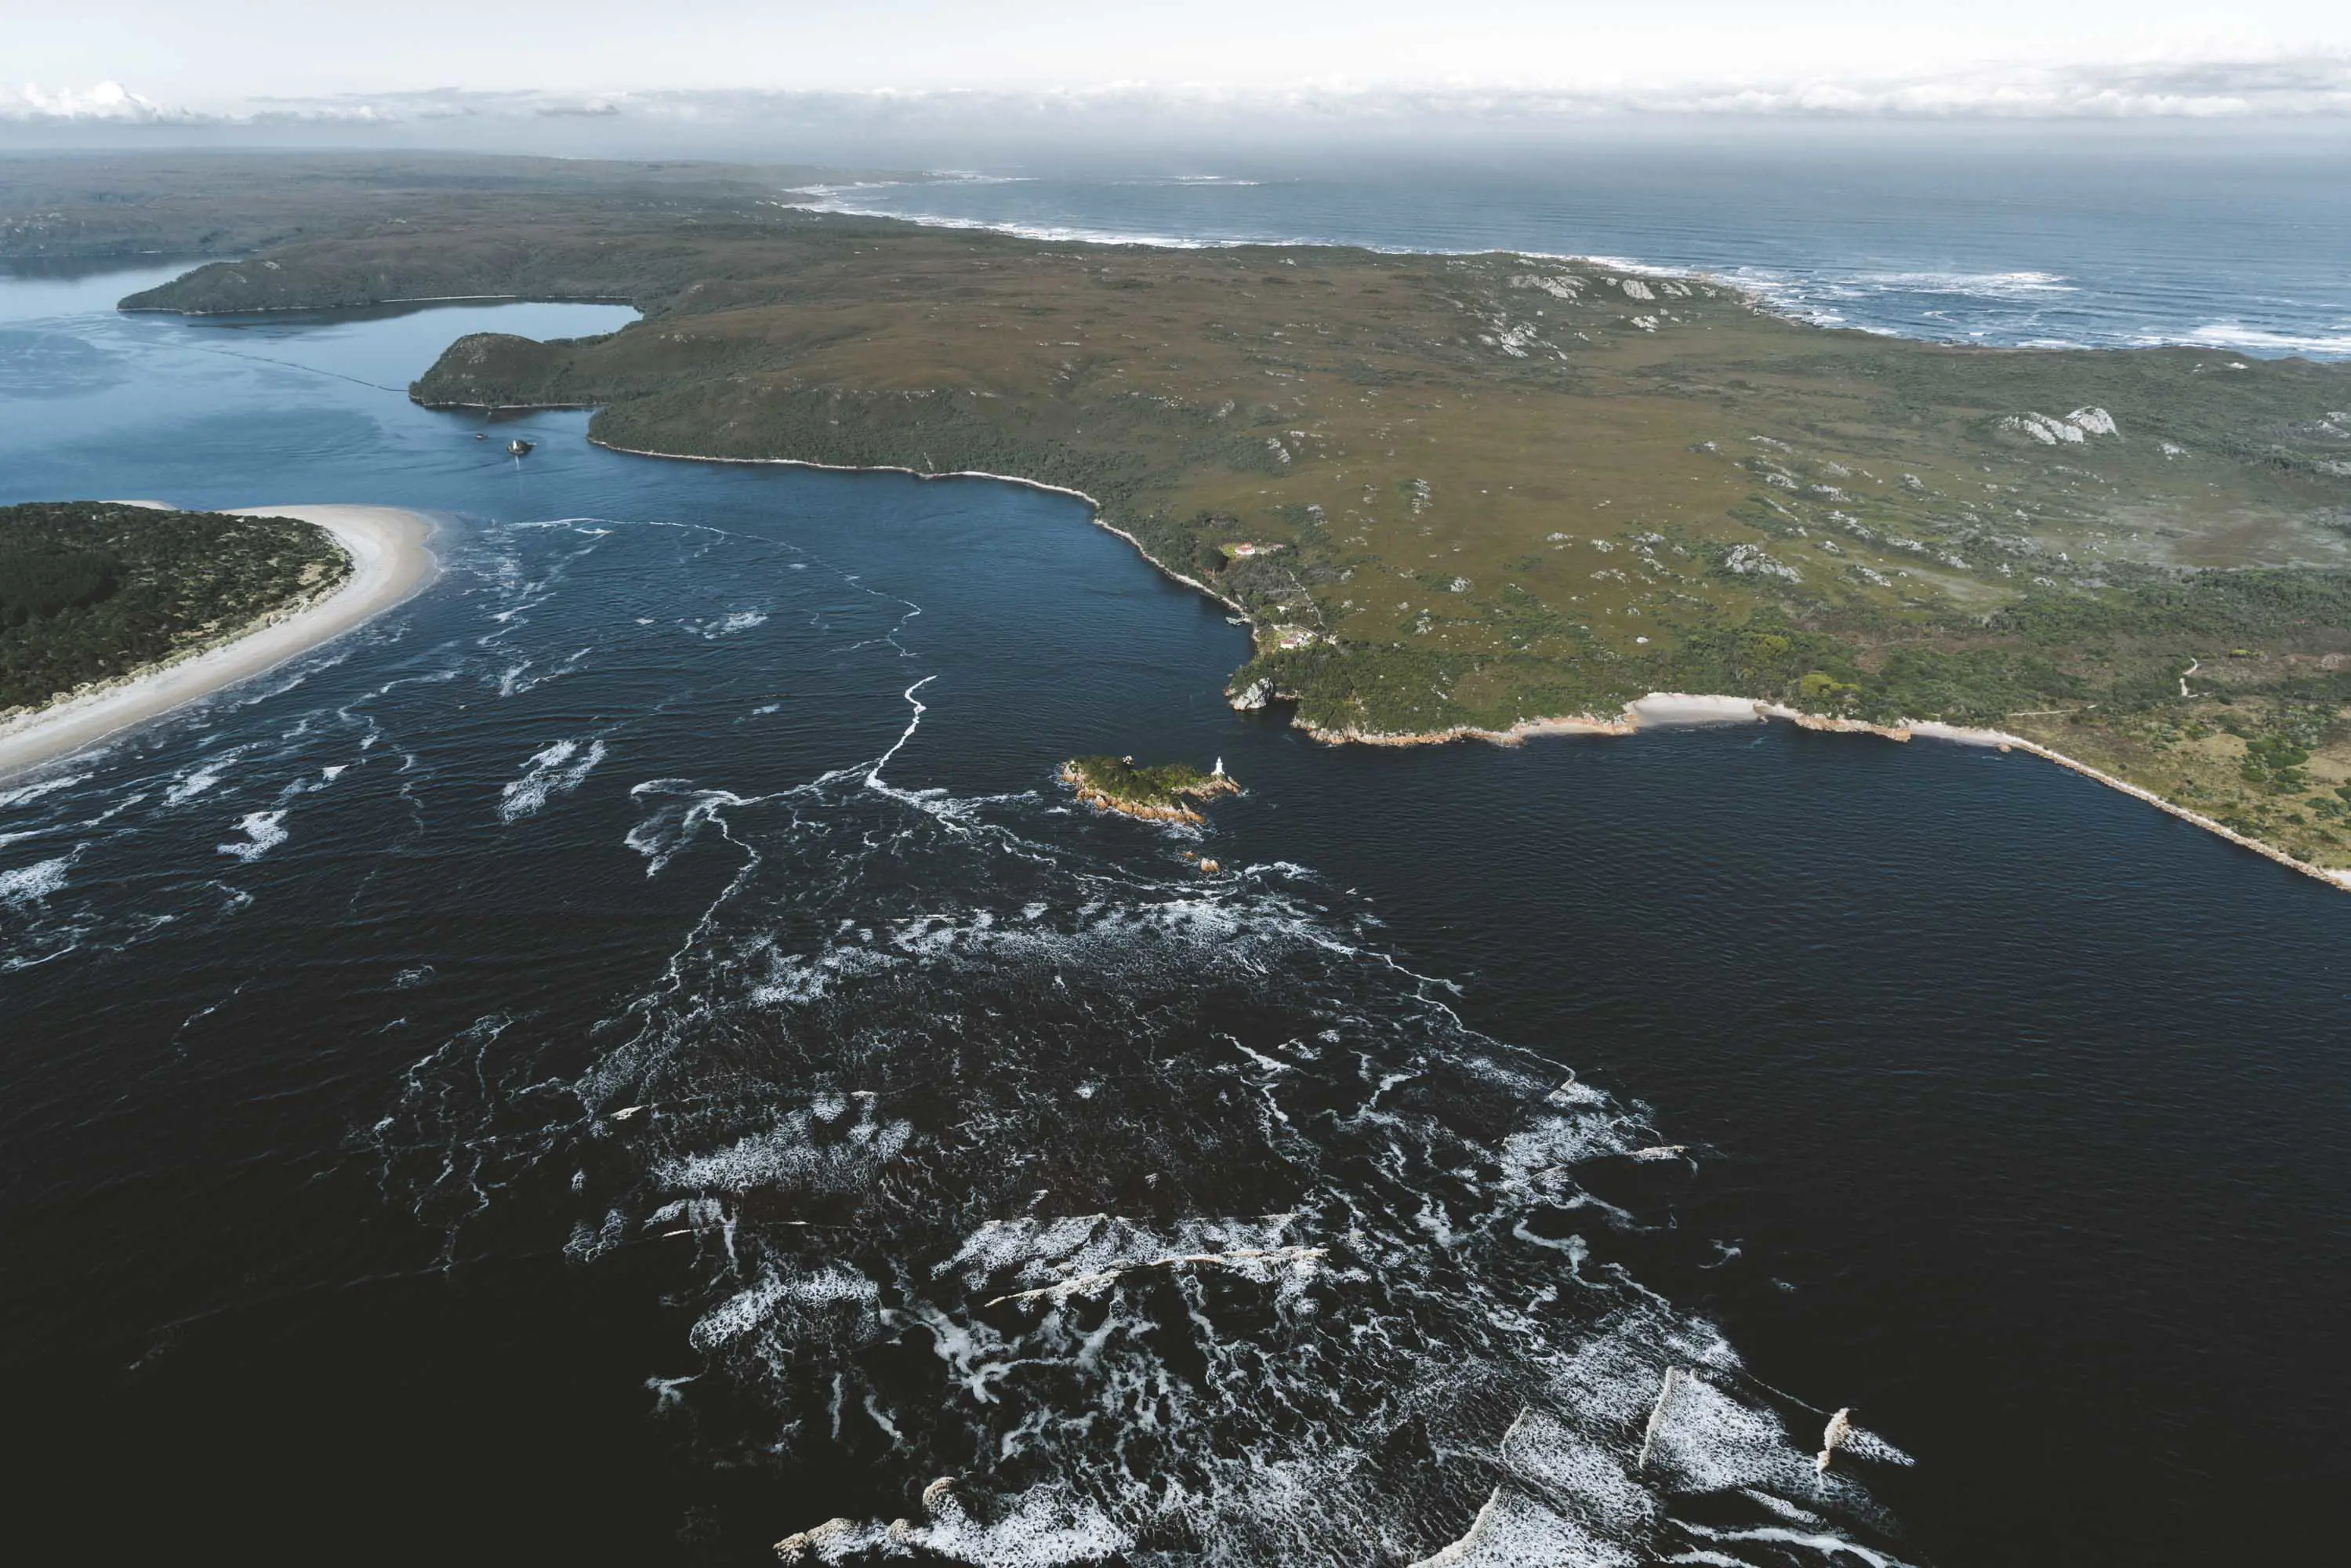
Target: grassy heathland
(91, 590)
(1469, 492)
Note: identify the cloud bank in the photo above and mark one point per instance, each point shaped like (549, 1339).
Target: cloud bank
(110, 102)
(2304, 85)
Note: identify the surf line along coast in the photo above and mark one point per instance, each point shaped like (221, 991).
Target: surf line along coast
(390, 560)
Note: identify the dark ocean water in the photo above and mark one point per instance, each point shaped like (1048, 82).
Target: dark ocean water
(633, 1055)
(2238, 245)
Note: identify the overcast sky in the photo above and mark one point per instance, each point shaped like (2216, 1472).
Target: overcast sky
(127, 60)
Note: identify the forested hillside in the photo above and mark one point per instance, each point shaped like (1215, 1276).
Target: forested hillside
(90, 589)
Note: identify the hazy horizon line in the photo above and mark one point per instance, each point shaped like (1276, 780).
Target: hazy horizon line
(2310, 85)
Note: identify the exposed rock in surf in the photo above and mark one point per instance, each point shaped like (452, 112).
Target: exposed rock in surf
(1833, 1437)
(1253, 697)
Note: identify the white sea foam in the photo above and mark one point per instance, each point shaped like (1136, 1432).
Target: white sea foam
(1817, 1541)
(199, 779)
(728, 624)
(2013, 285)
(799, 1153)
(2264, 340)
(264, 832)
(557, 769)
(1125, 1349)
(680, 811)
(794, 977)
(1044, 1526)
(666, 1392)
(1090, 1252)
(31, 883)
(780, 1301)
(24, 792)
(1999, 305)
(1867, 1445)
(1553, 1144)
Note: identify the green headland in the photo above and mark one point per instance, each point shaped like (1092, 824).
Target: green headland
(92, 591)
(1459, 494)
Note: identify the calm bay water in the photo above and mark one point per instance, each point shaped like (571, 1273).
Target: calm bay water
(633, 1054)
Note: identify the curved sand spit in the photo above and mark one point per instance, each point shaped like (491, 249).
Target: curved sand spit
(390, 561)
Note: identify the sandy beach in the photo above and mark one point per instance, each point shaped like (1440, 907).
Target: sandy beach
(390, 561)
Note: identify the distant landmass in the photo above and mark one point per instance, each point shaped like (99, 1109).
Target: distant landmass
(1480, 495)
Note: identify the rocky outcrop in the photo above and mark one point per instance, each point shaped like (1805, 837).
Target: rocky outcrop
(1151, 794)
(1253, 697)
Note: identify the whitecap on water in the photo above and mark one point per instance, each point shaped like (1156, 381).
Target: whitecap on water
(795, 1156)
(677, 811)
(555, 770)
(23, 792)
(264, 832)
(785, 1304)
(728, 624)
(31, 883)
(199, 779)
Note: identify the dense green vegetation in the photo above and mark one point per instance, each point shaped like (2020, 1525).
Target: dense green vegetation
(1468, 492)
(1850, 525)
(91, 591)
(1118, 782)
(41, 579)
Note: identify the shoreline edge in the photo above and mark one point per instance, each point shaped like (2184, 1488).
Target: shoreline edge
(390, 561)
(1654, 709)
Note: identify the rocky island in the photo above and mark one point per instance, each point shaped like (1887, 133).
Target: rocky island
(1153, 793)
(1471, 495)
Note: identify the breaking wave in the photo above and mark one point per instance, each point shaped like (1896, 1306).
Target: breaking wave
(555, 770)
(32, 884)
(2336, 344)
(199, 779)
(728, 624)
(264, 832)
(1844, 276)
(24, 792)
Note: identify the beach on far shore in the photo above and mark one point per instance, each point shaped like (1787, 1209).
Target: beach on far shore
(390, 560)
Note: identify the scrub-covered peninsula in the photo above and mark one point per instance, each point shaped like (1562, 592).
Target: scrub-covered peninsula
(1470, 493)
(93, 591)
